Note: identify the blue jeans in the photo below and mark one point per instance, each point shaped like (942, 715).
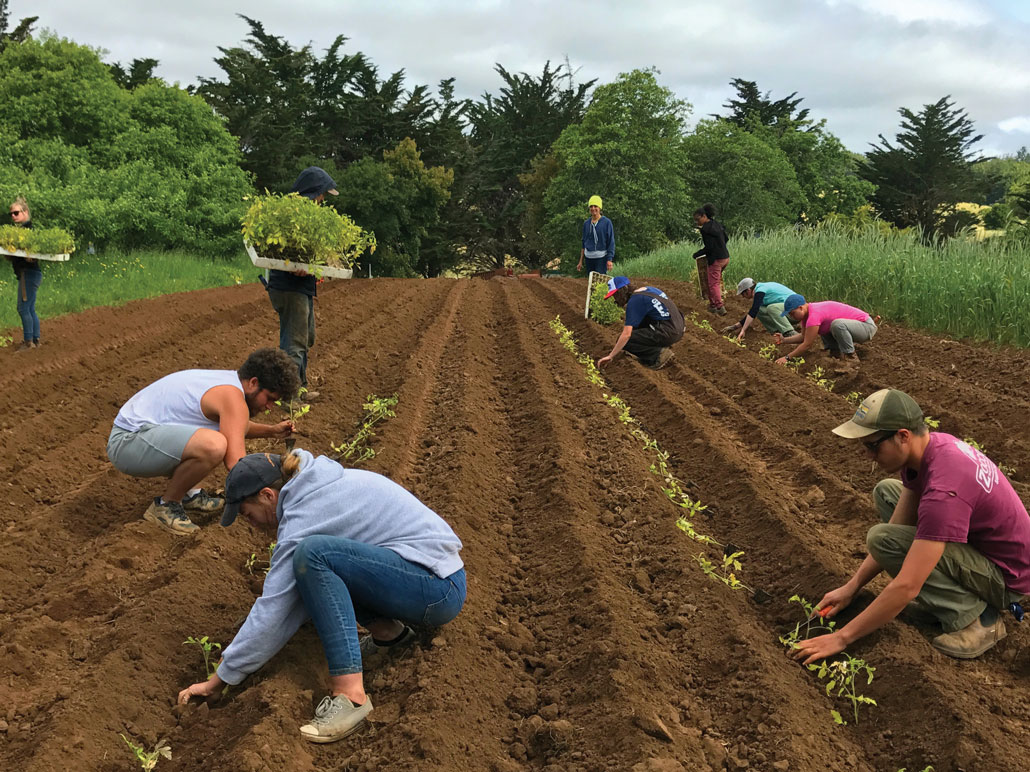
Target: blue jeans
(598, 264)
(296, 326)
(344, 582)
(27, 305)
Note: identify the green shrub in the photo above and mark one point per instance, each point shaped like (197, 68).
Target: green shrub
(41, 241)
(603, 310)
(291, 227)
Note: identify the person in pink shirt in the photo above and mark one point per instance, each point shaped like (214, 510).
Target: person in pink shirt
(955, 536)
(839, 325)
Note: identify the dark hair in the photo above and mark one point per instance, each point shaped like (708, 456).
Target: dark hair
(621, 296)
(708, 210)
(274, 370)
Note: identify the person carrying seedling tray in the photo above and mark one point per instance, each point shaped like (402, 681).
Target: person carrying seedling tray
(766, 305)
(352, 547)
(653, 324)
(955, 536)
(184, 424)
(841, 326)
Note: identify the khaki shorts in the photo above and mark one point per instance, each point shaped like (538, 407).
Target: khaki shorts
(153, 451)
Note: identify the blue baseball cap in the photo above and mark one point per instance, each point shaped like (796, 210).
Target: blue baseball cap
(792, 302)
(615, 284)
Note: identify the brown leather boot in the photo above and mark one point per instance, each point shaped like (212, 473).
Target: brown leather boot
(971, 641)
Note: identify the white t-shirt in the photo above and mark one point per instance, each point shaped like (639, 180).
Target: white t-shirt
(175, 400)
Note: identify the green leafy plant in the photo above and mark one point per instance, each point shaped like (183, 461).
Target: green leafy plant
(932, 422)
(148, 759)
(291, 227)
(725, 572)
(603, 310)
(271, 551)
(928, 768)
(358, 449)
(768, 351)
(5, 341)
(207, 648)
(703, 324)
(854, 398)
(818, 376)
(841, 676)
(735, 341)
(794, 363)
(39, 241)
(249, 565)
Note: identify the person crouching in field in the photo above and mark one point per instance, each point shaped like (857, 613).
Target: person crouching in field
(184, 424)
(653, 324)
(352, 547)
(841, 326)
(766, 305)
(955, 536)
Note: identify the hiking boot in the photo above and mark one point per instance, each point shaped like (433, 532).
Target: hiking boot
(374, 653)
(170, 516)
(25, 345)
(202, 502)
(972, 640)
(720, 311)
(664, 357)
(335, 718)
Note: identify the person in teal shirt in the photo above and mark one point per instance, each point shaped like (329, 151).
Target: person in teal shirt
(766, 305)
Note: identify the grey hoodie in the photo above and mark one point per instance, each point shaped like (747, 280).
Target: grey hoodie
(324, 498)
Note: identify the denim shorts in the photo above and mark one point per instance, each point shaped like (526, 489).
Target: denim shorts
(153, 451)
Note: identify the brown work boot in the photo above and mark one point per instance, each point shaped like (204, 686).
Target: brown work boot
(664, 357)
(25, 345)
(971, 641)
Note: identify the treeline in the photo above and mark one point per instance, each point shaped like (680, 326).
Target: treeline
(120, 157)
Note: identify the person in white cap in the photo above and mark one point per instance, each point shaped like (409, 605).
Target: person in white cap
(766, 305)
(955, 536)
(598, 250)
(653, 324)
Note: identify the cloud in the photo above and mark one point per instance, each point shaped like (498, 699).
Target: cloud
(1017, 124)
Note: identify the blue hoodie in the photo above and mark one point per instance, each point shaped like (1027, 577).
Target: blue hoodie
(599, 236)
(324, 498)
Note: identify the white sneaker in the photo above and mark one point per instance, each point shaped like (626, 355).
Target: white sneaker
(335, 718)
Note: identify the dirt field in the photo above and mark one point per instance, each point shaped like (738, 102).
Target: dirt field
(590, 640)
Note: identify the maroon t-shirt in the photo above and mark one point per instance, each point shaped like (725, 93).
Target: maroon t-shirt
(964, 498)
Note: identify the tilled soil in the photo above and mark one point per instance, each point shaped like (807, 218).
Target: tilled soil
(591, 640)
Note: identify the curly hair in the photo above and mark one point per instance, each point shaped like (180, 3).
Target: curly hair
(622, 295)
(274, 370)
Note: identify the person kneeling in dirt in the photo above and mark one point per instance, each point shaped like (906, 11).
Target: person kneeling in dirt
(181, 427)
(653, 324)
(841, 326)
(955, 536)
(766, 305)
(352, 547)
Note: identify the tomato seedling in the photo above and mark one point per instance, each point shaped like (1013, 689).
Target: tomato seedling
(207, 648)
(148, 759)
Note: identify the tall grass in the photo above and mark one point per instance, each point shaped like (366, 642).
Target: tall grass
(114, 278)
(965, 288)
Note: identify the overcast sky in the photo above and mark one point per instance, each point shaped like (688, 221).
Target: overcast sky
(854, 61)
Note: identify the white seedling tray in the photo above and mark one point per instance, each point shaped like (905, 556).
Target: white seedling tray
(52, 258)
(321, 271)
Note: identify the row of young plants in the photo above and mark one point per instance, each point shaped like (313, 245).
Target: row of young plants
(354, 451)
(840, 675)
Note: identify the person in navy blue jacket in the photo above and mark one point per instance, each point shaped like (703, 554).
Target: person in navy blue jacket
(653, 324)
(598, 250)
(293, 292)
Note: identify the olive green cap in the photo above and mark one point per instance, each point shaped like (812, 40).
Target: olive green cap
(886, 410)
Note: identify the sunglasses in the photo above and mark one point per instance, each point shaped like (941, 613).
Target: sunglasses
(17, 211)
(874, 446)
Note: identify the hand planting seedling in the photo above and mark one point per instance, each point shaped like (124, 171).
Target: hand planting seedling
(206, 647)
(735, 341)
(358, 449)
(842, 675)
(148, 759)
(814, 622)
(296, 409)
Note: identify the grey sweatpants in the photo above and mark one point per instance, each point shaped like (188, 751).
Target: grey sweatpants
(845, 333)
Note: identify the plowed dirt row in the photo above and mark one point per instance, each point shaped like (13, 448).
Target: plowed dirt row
(590, 639)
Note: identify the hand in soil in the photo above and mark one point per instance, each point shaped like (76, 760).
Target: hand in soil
(203, 689)
(283, 429)
(781, 361)
(818, 648)
(603, 361)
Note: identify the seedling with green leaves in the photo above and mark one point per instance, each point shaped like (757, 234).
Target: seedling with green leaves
(842, 675)
(794, 363)
(768, 351)
(358, 448)
(932, 422)
(207, 648)
(148, 759)
(735, 341)
(249, 565)
(853, 398)
(818, 376)
(603, 310)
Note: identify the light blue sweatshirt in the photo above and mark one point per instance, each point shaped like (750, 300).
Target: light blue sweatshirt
(324, 498)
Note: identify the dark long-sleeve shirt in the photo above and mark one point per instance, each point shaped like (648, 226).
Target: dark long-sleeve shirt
(714, 237)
